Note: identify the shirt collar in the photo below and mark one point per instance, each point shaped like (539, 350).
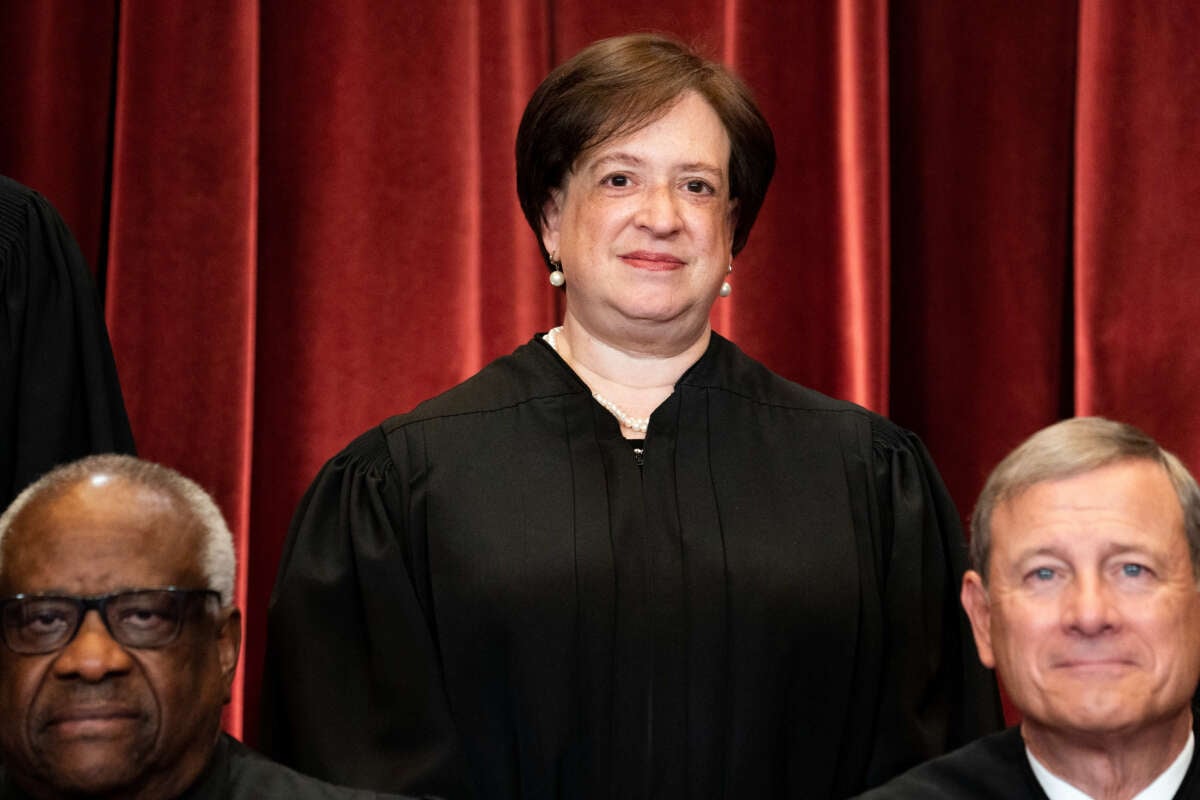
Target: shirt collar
(1162, 788)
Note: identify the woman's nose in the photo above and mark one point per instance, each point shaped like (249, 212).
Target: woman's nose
(658, 211)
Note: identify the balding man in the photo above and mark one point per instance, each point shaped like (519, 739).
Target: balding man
(120, 639)
(1084, 599)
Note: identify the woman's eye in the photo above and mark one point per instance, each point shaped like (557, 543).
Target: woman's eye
(1132, 570)
(1042, 574)
(699, 187)
(617, 181)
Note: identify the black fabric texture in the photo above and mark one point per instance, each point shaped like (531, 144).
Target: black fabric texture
(993, 768)
(489, 597)
(59, 395)
(238, 773)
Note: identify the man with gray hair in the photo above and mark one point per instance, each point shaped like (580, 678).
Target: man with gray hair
(120, 640)
(1084, 599)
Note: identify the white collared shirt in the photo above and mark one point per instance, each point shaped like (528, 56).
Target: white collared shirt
(1162, 788)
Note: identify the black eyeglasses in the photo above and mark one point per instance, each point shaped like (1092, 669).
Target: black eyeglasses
(142, 618)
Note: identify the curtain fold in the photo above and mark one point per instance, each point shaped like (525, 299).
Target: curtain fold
(1137, 195)
(182, 269)
(56, 57)
(800, 247)
(982, 107)
(983, 216)
(862, 199)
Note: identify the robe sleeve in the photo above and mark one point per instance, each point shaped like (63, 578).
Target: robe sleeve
(936, 695)
(59, 395)
(352, 688)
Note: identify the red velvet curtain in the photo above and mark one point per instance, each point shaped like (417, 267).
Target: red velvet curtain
(302, 214)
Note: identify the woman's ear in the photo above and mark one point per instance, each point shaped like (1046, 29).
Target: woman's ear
(551, 219)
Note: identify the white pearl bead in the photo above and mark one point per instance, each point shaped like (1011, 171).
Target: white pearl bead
(639, 424)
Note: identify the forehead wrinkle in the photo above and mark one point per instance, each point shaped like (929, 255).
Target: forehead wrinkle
(619, 157)
(1034, 551)
(1107, 550)
(63, 521)
(622, 158)
(700, 166)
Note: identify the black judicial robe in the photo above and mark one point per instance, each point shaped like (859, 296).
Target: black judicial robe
(59, 396)
(495, 596)
(238, 773)
(993, 768)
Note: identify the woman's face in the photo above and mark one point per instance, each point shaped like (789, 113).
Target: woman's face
(643, 225)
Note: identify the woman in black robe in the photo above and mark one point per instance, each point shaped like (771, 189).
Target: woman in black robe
(627, 561)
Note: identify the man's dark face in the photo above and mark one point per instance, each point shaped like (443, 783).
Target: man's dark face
(97, 716)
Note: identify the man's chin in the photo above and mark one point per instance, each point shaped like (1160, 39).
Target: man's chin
(82, 780)
(1102, 713)
(86, 766)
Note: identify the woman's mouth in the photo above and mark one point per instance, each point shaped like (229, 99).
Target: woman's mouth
(652, 261)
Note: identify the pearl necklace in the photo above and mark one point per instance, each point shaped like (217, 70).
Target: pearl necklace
(639, 424)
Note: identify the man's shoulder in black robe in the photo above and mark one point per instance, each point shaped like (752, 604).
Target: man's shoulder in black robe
(992, 768)
(238, 773)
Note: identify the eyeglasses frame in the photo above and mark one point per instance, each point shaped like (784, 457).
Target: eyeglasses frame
(99, 603)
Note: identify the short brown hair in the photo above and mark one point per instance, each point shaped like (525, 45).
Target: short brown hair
(615, 86)
(1073, 447)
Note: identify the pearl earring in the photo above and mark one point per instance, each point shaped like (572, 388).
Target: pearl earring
(557, 278)
(726, 289)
